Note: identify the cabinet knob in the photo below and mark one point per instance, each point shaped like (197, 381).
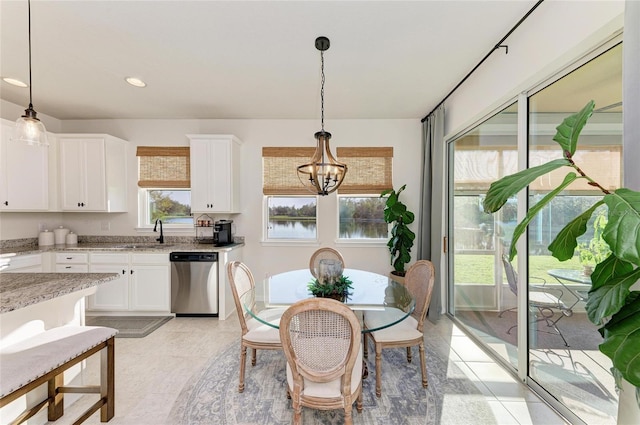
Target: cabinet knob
(131, 271)
(124, 271)
(67, 267)
(78, 203)
(6, 203)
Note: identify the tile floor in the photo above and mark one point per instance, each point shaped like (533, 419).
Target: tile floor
(151, 371)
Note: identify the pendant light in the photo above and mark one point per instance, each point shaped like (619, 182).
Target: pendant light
(323, 174)
(29, 129)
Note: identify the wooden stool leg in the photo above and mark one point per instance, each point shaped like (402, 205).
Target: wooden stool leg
(409, 355)
(56, 399)
(108, 381)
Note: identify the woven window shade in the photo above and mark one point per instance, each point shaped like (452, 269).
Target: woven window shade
(370, 170)
(279, 170)
(164, 167)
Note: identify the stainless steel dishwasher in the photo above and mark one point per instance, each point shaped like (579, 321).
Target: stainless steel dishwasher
(194, 283)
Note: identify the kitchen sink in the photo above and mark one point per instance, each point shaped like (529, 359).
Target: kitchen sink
(120, 247)
(143, 246)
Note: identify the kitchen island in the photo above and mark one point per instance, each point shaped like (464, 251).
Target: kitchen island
(34, 302)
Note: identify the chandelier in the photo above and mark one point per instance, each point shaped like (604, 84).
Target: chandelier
(29, 129)
(323, 174)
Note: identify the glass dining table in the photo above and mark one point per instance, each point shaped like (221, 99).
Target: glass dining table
(371, 292)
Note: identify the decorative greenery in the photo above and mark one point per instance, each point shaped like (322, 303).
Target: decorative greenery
(612, 304)
(338, 289)
(401, 240)
(596, 250)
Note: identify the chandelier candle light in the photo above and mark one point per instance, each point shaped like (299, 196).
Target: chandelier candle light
(29, 129)
(324, 174)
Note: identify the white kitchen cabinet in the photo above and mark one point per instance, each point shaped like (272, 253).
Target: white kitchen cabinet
(143, 285)
(24, 173)
(113, 295)
(215, 173)
(93, 173)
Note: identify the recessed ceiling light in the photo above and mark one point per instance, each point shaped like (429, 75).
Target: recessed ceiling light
(14, 82)
(135, 82)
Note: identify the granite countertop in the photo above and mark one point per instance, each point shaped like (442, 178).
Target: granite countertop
(119, 247)
(18, 290)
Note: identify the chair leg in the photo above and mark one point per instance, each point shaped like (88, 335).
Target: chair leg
(423, 365)
(348, 420)
(378, 369)
(359, 401)
(297, 413)
(365, 345)
(254, 355)
(409, 355)
(243, 361)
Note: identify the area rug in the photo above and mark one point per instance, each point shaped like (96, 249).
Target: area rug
(212, 396)
(129, 326)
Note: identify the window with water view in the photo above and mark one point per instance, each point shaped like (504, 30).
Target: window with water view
(362, 217)
(291, 217)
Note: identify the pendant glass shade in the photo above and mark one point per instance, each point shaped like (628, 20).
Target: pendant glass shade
(29, 129)
(323, 174)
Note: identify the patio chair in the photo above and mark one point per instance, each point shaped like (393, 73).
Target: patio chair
(545, 301)
(321, 341)
(255, 335)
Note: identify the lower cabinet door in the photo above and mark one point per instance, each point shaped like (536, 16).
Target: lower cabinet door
(150, 288)
(113, 295)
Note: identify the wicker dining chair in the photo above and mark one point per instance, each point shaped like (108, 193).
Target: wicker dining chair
(321, 341)
(255, 335)
(419, 280)
(323, 254)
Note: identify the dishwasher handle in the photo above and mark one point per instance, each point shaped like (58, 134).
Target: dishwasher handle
(185, 257)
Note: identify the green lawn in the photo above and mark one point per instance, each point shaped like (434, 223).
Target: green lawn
(471, 268)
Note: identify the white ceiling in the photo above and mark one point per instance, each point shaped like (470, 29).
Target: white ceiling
(241, 59)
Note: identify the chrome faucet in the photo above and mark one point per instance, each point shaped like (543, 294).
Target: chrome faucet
(161, 238)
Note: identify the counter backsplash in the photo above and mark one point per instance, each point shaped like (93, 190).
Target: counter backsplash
(28, 242)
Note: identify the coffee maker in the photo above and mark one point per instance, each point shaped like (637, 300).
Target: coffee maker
(222, 234)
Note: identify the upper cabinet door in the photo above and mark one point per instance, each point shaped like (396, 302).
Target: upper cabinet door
(93, 172)
(215, 173)
(82, 174)
(24, 174)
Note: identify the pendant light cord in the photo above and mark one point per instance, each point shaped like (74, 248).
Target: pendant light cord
(322, 91)
(30, 84)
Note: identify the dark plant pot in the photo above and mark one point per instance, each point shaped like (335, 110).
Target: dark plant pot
(337, 297)
(397, 276)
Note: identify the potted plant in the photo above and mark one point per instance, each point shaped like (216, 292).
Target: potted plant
(338, 289)
(401, 240)
(612, 303)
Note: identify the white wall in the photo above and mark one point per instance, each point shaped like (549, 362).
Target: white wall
(403, 135)
(555, 35)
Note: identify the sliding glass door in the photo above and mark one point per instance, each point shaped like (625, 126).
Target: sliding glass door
(563, 349)
(482, 298)
(559, 355)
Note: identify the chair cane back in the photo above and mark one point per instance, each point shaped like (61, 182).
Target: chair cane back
(321, 341)
(323, 254)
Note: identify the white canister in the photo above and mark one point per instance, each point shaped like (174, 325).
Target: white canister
(71, 239)
(46, 238)
(60, 235)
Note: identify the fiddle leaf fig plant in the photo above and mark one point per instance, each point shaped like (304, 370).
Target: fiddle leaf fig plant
(401, 240)
(612, 304)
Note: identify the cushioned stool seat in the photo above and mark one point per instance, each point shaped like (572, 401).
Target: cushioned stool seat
(44, 357)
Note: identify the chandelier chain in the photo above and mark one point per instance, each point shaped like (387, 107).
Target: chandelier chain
(322, 91)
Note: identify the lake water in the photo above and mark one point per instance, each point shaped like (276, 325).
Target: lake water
(292, 229)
